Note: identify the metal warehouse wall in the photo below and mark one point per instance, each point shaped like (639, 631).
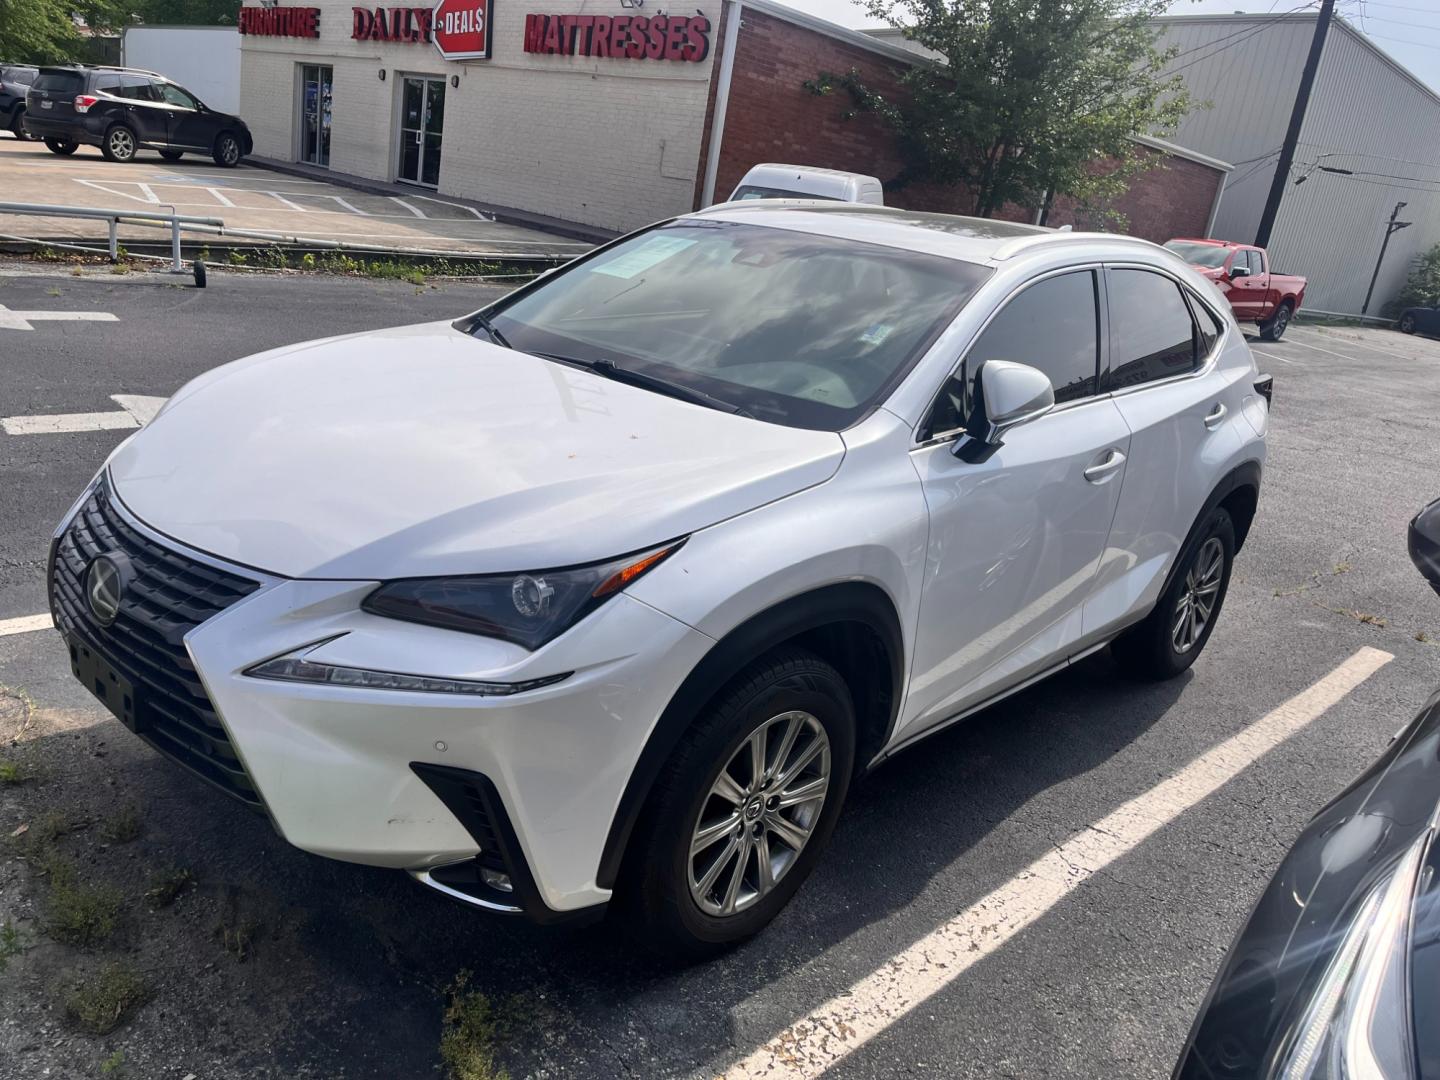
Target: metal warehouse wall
(1248, 70)
(1363, 105)
(1377, 119)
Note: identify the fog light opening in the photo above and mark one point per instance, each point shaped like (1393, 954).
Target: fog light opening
(496, 880)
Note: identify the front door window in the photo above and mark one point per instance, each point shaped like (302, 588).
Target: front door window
(316, 82)
(422, 119)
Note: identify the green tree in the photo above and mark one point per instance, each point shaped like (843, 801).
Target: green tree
(1029, 98)
(1422, 287)
(36, 31)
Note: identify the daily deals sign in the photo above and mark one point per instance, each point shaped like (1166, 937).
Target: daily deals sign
(462, 29)
(459, 29)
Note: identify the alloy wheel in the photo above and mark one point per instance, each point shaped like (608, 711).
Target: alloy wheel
(759, 814)
(122, 144)
(1282, 320)
(1407, 324)
(229, 150)
(1197, 599)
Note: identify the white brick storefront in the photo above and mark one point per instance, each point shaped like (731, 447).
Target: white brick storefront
(607, 142)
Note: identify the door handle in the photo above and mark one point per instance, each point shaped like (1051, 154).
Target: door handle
(1105, 468)
(1212, 421)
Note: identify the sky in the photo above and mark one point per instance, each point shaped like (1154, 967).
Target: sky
(1409, 30)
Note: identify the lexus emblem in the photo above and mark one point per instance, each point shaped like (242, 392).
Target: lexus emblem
(105, 582)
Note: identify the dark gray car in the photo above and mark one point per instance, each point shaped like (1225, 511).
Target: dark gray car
(15, 80)
(124, 110)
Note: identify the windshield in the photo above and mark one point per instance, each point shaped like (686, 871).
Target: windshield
(754, 191)
(1210, 255)
(807, 331)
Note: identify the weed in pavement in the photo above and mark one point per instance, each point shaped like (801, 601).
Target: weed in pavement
(472, 1027)
(103, 1002)
(165, 888)
(78, 914)
(122, 826)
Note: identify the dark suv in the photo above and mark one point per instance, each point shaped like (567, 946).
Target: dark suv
(124, 110)
(15, 80)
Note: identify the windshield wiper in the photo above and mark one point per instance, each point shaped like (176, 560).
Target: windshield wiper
(611, 370)
(485, 324)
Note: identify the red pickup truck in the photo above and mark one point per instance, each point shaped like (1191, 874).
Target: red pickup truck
(1242, 271)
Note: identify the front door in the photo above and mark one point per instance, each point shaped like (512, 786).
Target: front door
(1015, 539)
(422, 118)
(316, 82)
(191, 128)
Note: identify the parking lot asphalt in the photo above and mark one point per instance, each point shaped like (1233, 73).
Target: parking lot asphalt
(346, 966)
(247, 198)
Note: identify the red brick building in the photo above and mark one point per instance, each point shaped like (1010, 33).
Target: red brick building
(770, 116)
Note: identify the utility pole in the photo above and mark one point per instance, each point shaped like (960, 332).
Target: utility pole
(1391, 228)
(1297, 120)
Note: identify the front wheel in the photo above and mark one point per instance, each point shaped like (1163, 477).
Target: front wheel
(227, 150)
(1407, 324)
(63, 147)
(1171, 637)
(119, 144)
(1273, 328)
(742, 810)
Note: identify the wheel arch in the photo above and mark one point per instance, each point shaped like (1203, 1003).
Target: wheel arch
(852, 625)
(1238, 493)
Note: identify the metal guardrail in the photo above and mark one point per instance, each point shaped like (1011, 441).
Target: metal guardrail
(117, 218)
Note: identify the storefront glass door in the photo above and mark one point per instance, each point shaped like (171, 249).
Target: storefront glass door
(315, 83)
(422, 118)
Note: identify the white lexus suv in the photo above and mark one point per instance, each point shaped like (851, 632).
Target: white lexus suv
(604, 594)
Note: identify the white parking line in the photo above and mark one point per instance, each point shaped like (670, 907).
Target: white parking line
(135, 411)
(25, 624)
(287, 202)
(1317, 348)
(1271, 355)
(458, 206)
(21, 320)
(150, 195)
(408, 206)
(907, 981)
(348, 206)
(221, 199)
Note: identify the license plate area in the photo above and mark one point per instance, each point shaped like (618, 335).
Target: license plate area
(47, 104)
(100, 677)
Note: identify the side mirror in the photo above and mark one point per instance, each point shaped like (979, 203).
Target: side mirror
(1009, 394)
(1239, 271)
(1425, 543)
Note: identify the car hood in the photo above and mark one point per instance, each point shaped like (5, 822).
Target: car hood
(421, 450)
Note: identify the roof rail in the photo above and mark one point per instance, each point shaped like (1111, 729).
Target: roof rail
(1022, 244)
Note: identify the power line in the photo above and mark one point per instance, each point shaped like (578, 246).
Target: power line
(1400, 22)
(1403, 41)
(1401, 7)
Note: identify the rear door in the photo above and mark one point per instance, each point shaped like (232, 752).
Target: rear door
(143, 110)
(1181, 413)
(1015, 539)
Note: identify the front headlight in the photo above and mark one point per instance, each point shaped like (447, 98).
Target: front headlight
(1358, 1025)
(528, 609)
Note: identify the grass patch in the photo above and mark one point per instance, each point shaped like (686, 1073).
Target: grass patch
(165, 888)
(238, 937)
(123, 826)
(54, 825)
(78, 914)
(102, 1003)
(114, 1065)
(472, 1027)
(13, 772)
(11, 945)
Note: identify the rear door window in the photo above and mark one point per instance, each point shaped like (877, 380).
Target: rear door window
(137, 88)
(1152, 335)
(1257, 263)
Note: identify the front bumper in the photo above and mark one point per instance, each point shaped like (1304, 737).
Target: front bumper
(335, 767)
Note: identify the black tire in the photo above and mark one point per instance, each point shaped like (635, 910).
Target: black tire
(1273, 328)
(227, 152)
(1149, 650)
(119, 144)
(172, 155)
(656, 895)
(63, 147)
(17, 126)
(1407, 324)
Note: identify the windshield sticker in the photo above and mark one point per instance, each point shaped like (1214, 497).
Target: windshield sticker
(639, 259)
(877, 333)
